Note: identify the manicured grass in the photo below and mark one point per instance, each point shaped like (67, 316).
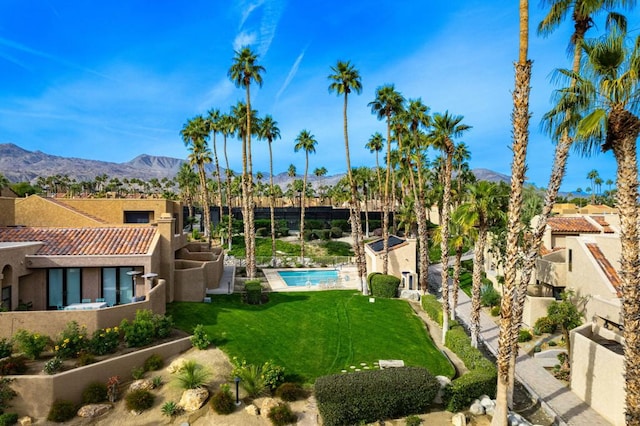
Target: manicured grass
(313, 334)
(337, 248)
(263, 247)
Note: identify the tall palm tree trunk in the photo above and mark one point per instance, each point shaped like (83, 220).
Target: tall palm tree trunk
(386, 206)
(478, 269)
(302, 204)
(627, 127)
(423, 234)
(520, 120)
(215, 157)
(444, 240)
(205, 202)
(272, 201)
(251, 257)
(456, 281)
(228, 188)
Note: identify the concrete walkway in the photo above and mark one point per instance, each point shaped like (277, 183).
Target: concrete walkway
(556, 398)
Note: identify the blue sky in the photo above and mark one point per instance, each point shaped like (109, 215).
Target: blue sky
(113, 80)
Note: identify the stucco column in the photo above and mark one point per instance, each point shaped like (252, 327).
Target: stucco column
(167, 254)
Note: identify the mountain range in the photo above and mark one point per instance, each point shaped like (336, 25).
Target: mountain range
(20, 165)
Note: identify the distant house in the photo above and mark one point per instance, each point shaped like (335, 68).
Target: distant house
(402, 259)
(59, 252)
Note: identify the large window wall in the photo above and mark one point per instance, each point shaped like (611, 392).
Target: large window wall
(64, 287)
(118, 285)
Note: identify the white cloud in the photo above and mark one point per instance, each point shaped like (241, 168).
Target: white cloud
(244, 39)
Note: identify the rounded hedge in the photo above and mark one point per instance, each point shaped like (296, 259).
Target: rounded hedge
(384, 285)
(254, 292)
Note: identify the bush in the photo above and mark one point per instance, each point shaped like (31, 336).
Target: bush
(85, 358)
(413, 421)
(6, 347)
(544, 325)
(335, 232)
(192, 375)
(31, 344)
(8, 419)
(272, 374)
(53, 365)
(94, 393)
(6, 393)
(252, 379)
(458, 341)
(200, 338)
(342, 224)
(489, 296)
(61, 411)
(153, 363)
(290, 392)
(552, 343)
(314, 224)
(384, 286)
(222, 401)
(369, 278)
(145, 328)
(13, 365)
(71, 341)
(156, 381)
(281, 415)
(253, 289)
(139, 400)
(524, 336)
(495, 311)
(432, 307)
(104, 341)
(368, 396)
(463, 390)
(137, 373)
(171, 409)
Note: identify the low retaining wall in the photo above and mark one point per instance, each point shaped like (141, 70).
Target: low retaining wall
(36, 394)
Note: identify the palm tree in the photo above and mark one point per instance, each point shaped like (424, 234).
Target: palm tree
(194, 134)
(479, 212)
(375, 144)
(418, 116)
(291, 170)
(4, 182)
(243, 71)
(386, 105)
(306, 142)
(520, 119)
(445, 128)
(268, 129)
(592, 176)
(345, 78)
(228, 128)
(213, 126)
(187, 183)
(609, 89)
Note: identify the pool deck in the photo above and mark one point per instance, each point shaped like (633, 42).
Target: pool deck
(347, 279)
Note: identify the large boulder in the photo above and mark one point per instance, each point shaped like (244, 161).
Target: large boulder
(252, 410)
(410, 295)
(25, 421)
(266, 406)
(193, 399)
(488, 404)
(93, 410)
(476, 408)
(459, 419)
(444, 382)
(176, 365)
(144, 384)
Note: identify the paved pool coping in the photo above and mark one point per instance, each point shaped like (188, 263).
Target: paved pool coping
(347, 279)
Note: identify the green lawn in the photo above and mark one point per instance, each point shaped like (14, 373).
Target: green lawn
(313, 334)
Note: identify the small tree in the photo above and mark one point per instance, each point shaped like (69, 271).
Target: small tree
(565, 314)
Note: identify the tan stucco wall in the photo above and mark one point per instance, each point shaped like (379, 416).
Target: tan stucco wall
(13, 267)
(534, 308)
(111, 210)
(36, 394)
(401, 258)
(37, 211)
(50, 323)
(7, 211)
(597, 373)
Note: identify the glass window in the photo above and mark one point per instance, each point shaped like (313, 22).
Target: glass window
(56, 288)
(74, 289)
(109, 286)
(126, 285)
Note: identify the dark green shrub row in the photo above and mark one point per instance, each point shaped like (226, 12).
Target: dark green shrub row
(463, 390)
(368, 396)
(370, 277)
(432, 307)
(145, 328)
(480, 380)
(384, 286)
(342, 224)
(253, 289)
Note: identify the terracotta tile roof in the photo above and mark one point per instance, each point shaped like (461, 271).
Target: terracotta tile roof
(600, 220)
(571, 225)
(606, 267)
(84, 241)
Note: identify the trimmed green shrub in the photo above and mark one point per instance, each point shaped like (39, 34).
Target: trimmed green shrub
(335, 232)
(8, 419)
(200, 339)
(524, 336)
(290, 392)
(222, 401)
(139, 400)
(342, 224)
(94, 393)
(385, 286)
(552, 343)
(262, 232)
(281, 415)
(495, 311)
(145, 328)
(544, 325)
(253, 290)
(432, 307)
(31, 344)
(458, 341)
(61, 411)
(372, 395)
(153, 363)
(463, 390)
(6, 347)
(314, 224)
(369, 278)
(413, 421)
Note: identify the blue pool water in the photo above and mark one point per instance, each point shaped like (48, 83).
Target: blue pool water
(308, 277)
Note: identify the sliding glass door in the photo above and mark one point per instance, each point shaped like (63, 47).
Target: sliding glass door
(118, 286)
(64, 287)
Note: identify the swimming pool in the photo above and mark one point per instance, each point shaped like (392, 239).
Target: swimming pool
(308, 277)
